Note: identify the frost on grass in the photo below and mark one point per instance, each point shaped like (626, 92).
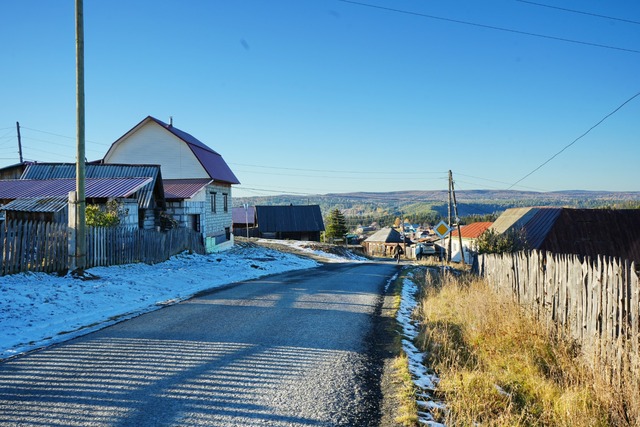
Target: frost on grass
(423, 380)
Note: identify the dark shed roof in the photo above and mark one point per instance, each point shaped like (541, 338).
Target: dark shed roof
(282, 219)
(47, 171)
(593, 232)
(585, 232)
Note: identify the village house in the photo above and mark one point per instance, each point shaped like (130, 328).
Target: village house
(469, 234)
(382, 242)
(196, 179)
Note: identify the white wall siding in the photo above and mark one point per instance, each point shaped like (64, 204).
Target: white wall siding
(152, 144)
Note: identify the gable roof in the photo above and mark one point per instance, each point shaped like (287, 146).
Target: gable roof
(49, 171)
(211, 161)
(289, 218)
(471, 231)
(95, 187)
(385, 235)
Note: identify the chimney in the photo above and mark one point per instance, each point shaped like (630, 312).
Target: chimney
(170, 121)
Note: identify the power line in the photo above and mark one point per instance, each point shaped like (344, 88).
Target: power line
(580, 12)
(575, 140)
(334, 171)
(491, 27)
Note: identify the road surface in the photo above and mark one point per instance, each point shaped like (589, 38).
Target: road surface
(286, 350)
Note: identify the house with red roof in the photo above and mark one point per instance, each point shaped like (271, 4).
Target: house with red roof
(469, 234)
(196, 179)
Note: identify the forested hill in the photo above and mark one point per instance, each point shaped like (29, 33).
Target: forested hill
(427, 206)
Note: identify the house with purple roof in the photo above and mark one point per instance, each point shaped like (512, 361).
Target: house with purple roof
(197, 181)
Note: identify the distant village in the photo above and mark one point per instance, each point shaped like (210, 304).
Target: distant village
(160, 178)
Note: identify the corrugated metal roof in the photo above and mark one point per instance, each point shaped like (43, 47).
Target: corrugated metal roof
(510, 218)
(385, 235)
(539, 225)
(214, 164)
(54, 204)
(178, 189)
(210, 160)
(45, 171)
(472, 231)
(288, 218)
(95, 187)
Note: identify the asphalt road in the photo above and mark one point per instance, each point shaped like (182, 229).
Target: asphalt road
(287, 350)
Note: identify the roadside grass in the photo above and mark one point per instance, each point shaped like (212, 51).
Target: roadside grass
(405, 390)
(499, 367)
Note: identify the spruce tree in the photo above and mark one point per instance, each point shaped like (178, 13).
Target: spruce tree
(336, 225)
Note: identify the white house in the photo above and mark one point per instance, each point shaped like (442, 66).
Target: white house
(470, 234)
(197, 181)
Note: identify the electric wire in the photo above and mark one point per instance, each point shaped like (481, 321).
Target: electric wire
(575, 140)
(491, 27)
(580, 12)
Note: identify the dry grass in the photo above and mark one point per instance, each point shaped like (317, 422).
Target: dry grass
(498, 366)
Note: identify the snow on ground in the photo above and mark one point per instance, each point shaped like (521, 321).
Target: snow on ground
(423, 380)
(38, 309)
(338, 254)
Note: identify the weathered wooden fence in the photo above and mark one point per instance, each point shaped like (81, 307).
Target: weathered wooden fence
(595, 302)
(43, 246)
(114, 245)
(33, 246)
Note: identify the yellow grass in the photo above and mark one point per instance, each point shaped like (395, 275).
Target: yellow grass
(498, 366)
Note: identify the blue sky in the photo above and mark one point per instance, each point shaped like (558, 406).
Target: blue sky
(319, 96)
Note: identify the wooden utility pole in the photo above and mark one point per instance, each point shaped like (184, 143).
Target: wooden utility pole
(455, 208)
(449, 216)
(19, 141)
(81, 242)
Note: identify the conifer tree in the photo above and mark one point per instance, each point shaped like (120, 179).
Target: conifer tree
(336, 225)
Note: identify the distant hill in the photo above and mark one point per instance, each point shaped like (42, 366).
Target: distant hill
(431, 206)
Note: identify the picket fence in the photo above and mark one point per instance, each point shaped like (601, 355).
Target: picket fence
(43, 246)
(594, 302)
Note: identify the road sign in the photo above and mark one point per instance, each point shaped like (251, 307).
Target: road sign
(442, 229)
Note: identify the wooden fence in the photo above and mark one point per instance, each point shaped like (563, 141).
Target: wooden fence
(595, 302)
(43, 246)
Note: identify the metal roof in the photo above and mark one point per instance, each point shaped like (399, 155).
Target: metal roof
(178, 189)
(240, 215)
(471, 231)
(586, 232)
(95, 187)
(385, 235)
(53, 204)
(46, 171)
(289, 218)
(593, 232)
(210, 160)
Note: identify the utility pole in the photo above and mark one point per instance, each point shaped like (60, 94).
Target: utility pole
(449, 216)
(81, 242)
(455, 208)
(19, 141)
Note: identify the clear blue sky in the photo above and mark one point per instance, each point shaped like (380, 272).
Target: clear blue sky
(318, 96)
